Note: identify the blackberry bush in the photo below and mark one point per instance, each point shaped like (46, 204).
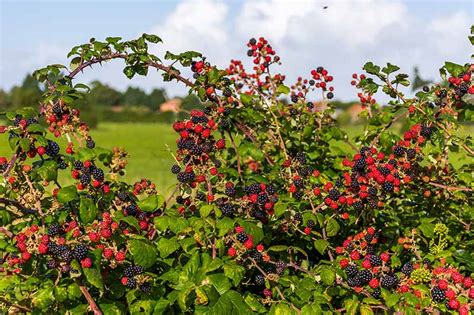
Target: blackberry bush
(270, 213)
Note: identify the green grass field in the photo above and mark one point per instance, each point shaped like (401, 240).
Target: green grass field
(147, 145)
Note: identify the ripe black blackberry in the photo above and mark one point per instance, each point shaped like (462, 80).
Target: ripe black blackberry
(334, 194)
(280, 266)
(98, 174)
(398, 150)
(90, 143)
(372, 191)
(259, 280)
(411, 153)
(298, 217)
(426, 131)
(182, 177)
(298, 195)
(389, 281)
(256, 255)
(52, 148)
(294, 98)
(376, 293)
(262, 199)
(360, 164)
(80, 252)
(370, 250)
(364, 276)
(437, 294)
(230, 191)
(175, 169)
(354, 282)
(330, 95)
(224, 124)
(463, 88)
(242, 237)
(85, 179)
(227, 92)
(387, 186)
(201, 196)
(407, 268)
(252, 41)
(180, 200)
(227, 209)
(426, 88)
(298, 182)
(254, 188)
(351, 270)
(54, 229)
(132, 210)
(190, 176)
(301, 157)
(122, 195)
(145, 287)
(310, 223)
(393, 162)
(271, 189)
(384, 171)
(51, 264)
(131, 283)
(66, 255)
(443, 94)
(375, 260)
(368, 237)
(358, 205)
(62, 164)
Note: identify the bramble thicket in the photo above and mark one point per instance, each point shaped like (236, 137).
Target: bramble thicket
(274, 210)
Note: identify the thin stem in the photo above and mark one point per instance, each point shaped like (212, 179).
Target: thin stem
(20, 307)
(90, 300)
(17, 205)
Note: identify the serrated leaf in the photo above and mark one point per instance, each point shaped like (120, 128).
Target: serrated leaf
(67, 194)
(167, 246)
(87, 210)
(143, 252)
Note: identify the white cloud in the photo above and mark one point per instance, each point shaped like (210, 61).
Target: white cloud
(449, 33)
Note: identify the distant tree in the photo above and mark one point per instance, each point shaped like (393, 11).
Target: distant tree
(191, 102)
(156, 98)
(103, 95)
(134, 96)
(28, 94)
(418, 81)
(3, 99)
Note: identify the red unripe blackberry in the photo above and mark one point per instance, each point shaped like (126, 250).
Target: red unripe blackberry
(120, 256)
(86, 262)
(385, 257)
(344, 263)
(21, 247)
(467, 282)
(374, 283)
(232, 252)
(143, 225)
(366, 264)
(355, 255)
(454, 304)
(443, 284)
(339, 250)
(450, 294)
(260, 248)
(108, 253)
(307, 230)
(404, 288)
(94, 237)
(239, 229)
(457, 277)
(248, 244)
(267, 292)
(105, 233)
(464, 310)
(25, 256)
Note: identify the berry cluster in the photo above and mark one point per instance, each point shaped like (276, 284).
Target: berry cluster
(89, 175)
(133, 277)
(62, 120)
(365, 98)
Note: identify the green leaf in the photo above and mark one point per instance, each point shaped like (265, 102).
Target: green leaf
(390, 68)
(366, 310)
(254, 304)
(143, 252)
(246, 99)
(225, 225)
(151, 203)
(277, 248)
(167, 246)
(234, 272)
(351, 306)
(230, 302)
(152, 38)
(220, 282)
(283, 89)
(321, 245)
(311, 309)
(371, 68)
(94, 277)
(328, 275)
(205, 210)
(67, 194)
(392, 299)
(332, 227)
(87, 210)
(453, 68)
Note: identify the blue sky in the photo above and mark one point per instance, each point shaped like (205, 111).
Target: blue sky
(341, 38)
